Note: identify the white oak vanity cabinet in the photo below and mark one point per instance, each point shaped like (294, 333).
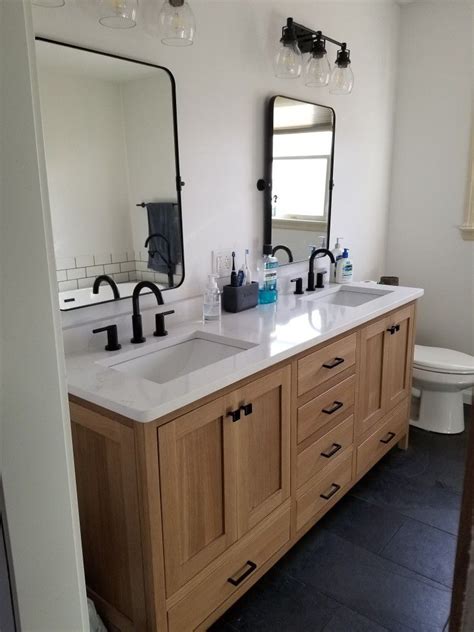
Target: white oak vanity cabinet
(180, 516)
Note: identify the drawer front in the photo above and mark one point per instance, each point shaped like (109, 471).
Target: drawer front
(237, 566)
(320, 454)
(392, 429)
(327, 407)
(325, 493)
(320, 366)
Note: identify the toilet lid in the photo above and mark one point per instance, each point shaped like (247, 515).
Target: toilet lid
(443, 360)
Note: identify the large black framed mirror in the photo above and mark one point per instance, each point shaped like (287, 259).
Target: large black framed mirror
(112, 164)
(299, 164)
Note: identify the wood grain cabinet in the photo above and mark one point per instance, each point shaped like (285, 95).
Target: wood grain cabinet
(224, 467)
(386, 354)
(180, 516)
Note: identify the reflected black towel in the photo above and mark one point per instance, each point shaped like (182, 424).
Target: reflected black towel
(164, 219)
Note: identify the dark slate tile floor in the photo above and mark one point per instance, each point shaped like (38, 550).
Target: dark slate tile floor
(382, 560)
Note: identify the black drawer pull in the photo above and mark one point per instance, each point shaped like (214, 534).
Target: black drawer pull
(388, 437)
(393, 329)
(333, 408)
(334, 489)
(247, 408)
(251, 567)
(333, 363)
(335, 448)
(235, 414)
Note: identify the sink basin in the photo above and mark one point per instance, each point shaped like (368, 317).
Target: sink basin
(347, 296)
(162, 363)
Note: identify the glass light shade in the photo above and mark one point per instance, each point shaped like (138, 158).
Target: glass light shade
(118, 14)
(288, 61)
(50, 4)
(317, 72)
(176, 23)
(342, 80)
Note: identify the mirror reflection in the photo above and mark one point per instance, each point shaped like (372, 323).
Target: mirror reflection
(111, 159)
(302, 152)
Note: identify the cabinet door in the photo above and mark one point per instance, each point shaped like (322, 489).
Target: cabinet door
(263, 447)
(399, 355)
(373, 353)
(197, 469)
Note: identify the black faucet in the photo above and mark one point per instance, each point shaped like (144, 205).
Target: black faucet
(103, 278)
(314, 254)
(167, 259)
(136, 317)
(286, 249)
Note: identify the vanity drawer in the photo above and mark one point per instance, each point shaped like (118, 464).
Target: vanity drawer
(393, 428)
(315, 368)
(320, 454)
(313, 499)
(327, 407)
(237, 566)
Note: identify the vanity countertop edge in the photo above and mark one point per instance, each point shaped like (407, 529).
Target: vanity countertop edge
(279, 332)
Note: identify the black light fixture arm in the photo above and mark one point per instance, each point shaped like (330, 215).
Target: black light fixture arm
(305, 36)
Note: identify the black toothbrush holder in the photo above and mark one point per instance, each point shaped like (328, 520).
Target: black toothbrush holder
(240, 298)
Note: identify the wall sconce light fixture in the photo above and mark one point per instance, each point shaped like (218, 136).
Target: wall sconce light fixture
(176, 23)
(118, 14)
(297, 40)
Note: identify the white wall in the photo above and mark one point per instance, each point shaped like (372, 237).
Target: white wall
(36, 453)
(223, 83)
(86, 163)
(431, 147)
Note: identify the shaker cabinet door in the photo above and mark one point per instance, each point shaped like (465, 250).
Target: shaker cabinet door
(263, 447)
(373, 354)
(400, 355)
(197, 470)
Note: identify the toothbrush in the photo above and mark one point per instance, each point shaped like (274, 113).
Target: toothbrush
(233, 276)
(248, 276)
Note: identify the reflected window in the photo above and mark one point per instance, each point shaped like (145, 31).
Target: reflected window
(301, 168)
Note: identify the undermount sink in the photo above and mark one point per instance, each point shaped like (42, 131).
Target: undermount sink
(163, 362)
(347, 296)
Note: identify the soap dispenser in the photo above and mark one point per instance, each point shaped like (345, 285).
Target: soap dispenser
(344, 268)
(337, 254)
(211, 308)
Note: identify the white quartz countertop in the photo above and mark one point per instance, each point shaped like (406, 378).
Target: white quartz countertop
(278, 331)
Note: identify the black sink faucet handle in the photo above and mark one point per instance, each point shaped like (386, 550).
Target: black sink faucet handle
(160, 323)
(299, 285)
(320, 280)
(112, 337)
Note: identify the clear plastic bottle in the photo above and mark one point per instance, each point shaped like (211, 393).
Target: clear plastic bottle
(211, 308)
(268, 277)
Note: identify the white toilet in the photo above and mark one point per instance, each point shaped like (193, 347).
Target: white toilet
(441, 375)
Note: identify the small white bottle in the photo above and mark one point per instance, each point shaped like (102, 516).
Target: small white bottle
(211, 308)
(337, 254)
(344, 269)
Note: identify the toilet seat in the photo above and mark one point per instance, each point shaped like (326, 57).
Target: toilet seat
(439, 360)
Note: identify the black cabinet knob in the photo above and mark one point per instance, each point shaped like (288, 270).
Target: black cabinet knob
(112, 337)
(160, 323)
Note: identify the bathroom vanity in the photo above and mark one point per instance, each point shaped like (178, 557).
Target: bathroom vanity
(191, 488)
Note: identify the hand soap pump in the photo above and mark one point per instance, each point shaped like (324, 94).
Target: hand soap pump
(344, 268)
(211, 308)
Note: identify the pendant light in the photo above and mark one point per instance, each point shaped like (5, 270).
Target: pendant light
(49, 4)
(176, 23)
(288, 59)
(317, 70)
(118, 14)
(342, 77)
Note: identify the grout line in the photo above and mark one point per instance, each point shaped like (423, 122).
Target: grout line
(405, 520)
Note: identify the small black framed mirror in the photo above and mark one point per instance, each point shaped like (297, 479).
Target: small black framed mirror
(298, 182)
